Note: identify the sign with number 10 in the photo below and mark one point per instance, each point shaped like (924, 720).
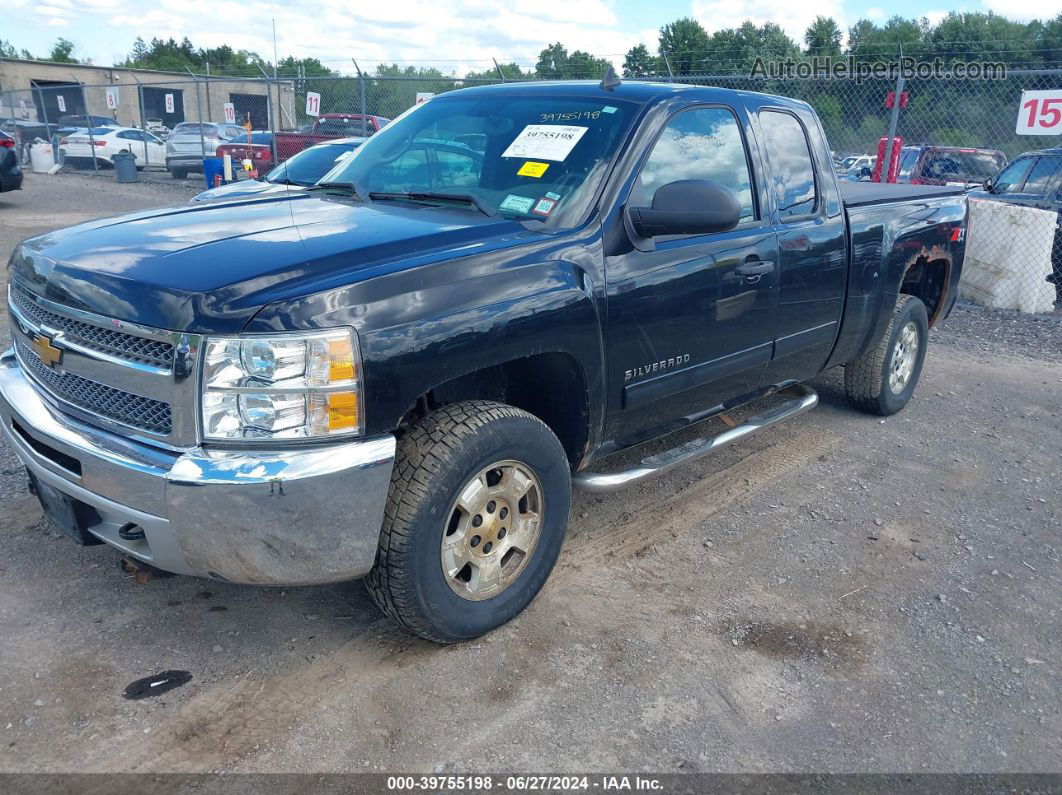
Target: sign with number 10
(1040, 113)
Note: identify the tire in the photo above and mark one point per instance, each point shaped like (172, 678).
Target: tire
(868, 380)
(178, 173)
(437, 462)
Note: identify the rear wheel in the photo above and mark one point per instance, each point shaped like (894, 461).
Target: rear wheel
(883, 379)
(475, 519)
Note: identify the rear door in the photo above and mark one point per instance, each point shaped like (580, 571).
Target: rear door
(690, 316)
(812, 243)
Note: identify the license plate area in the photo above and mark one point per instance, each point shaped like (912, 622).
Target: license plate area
(71, 516)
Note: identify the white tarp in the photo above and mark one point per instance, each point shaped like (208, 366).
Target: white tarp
(1008, 256)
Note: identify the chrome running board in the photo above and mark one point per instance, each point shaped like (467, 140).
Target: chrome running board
(805, 400)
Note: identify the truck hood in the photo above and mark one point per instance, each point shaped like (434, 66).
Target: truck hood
(209, 268)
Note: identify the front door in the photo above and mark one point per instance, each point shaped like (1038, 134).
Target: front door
(689, 317)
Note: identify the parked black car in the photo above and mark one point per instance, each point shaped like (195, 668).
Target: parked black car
(1034, 180)
(10, 170)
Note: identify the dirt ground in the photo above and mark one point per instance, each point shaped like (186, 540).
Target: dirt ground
(838, 594)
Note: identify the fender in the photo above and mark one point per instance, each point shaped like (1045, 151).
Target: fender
(424, 326)
(884, 248)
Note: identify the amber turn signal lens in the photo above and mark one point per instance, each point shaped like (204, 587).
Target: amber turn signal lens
(340, 361)
(342, 411)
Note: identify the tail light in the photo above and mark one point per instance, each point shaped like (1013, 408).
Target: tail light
(7, 143)
(62, 142)
(260, 154)
(916, 181)
(99, 143)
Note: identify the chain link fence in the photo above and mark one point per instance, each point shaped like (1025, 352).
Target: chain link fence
(947, 132)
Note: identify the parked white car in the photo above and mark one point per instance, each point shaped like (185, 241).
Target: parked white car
(78, 148)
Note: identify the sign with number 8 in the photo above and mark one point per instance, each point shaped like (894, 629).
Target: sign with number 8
(1040, 113)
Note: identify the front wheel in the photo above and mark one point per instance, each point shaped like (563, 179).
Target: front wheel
(475, 520)
(883, 379)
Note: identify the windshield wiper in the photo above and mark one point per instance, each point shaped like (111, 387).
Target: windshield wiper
(428, 196)
(354, 189)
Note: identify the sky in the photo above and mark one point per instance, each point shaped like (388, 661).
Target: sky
(453, 35)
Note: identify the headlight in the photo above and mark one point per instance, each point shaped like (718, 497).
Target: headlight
(290, 386)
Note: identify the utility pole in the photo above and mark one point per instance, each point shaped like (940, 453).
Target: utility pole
(361, 89)
(88, 118)
(886, 167)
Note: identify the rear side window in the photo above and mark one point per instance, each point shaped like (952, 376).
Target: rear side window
(1044, 175)
(704, 143)
(908, 160)
(792, 169)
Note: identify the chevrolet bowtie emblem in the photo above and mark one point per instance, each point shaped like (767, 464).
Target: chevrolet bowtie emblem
(47, 352)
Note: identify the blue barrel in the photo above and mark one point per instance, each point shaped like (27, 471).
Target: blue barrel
(213, 167)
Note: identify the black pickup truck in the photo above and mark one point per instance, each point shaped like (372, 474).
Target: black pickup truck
(401, 373)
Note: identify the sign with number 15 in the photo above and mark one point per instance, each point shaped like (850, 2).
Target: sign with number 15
(1040, 113)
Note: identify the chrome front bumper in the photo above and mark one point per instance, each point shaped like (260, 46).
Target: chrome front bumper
(291, 517)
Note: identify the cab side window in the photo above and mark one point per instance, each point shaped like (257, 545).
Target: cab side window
(1044, 175)
(792, 168)
(704, 143)
(1012, 177)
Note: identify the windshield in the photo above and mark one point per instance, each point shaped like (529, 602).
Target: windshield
(963, 165)
(526, 157)
(311, 164)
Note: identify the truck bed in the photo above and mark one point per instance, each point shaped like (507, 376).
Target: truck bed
(861, 194)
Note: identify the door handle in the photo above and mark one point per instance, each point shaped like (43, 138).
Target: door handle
(755, 268)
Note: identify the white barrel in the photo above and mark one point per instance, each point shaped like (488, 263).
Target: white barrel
(41, 158)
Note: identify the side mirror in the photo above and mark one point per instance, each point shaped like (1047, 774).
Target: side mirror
(988, 184)
(687, 207)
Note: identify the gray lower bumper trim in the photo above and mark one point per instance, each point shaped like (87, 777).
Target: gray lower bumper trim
(286, 517)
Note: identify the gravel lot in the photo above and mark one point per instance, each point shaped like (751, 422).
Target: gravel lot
(841, 593)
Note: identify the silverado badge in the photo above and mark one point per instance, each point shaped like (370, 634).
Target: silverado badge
(47, 352)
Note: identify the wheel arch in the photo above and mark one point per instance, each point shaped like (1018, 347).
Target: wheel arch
(552, 386)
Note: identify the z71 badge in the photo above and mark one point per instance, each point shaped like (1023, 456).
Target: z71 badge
(655, 367)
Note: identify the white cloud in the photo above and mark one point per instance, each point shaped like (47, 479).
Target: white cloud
(793, 17)
(455, 36)
(1024, 10)
(934, 15)
(874, 14)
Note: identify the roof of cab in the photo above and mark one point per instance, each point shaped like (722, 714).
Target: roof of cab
(632, 90)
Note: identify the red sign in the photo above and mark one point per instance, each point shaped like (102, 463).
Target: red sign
(894, 160)
(890, 99)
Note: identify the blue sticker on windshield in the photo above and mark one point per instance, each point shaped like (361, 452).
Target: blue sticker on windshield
(554, 196)
(608, 109)
(516, 204)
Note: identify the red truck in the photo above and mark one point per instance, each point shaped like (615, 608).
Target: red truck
(328, 126)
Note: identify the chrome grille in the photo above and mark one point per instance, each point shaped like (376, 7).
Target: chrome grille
(147, 414)
(116, 343)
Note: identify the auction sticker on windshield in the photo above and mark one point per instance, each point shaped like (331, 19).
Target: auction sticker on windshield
(545, 142)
